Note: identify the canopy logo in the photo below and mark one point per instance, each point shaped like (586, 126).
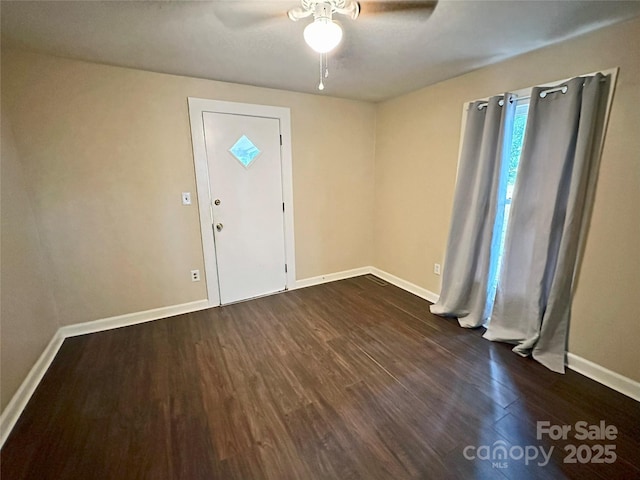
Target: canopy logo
(500, 453)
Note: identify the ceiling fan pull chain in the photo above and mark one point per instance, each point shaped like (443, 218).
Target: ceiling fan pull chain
(326, 66)
(321, 85)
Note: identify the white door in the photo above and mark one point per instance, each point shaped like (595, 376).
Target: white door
(245, 175)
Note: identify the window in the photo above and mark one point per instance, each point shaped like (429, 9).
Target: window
(244, 151)
(517, 141)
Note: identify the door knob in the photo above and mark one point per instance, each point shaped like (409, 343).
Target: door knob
(217, 201)
(219, 227)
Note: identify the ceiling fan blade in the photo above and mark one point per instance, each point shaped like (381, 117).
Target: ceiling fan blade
(376, 7)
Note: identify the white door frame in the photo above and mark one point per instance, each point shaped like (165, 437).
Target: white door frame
(197, 107)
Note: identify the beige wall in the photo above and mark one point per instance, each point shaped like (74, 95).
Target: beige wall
(417, 143)
(91, 208)
(28, 310)
(107, 152)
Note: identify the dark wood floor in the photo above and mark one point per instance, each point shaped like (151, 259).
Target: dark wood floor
(348, 380)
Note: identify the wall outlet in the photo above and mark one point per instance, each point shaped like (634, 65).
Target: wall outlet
(436, 268)
(186, 198)
(195, 275)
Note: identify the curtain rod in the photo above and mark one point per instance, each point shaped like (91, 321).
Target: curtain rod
(543, 93)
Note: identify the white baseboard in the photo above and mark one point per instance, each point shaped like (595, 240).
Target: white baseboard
(603, 375)
(408, 286)
(356, 272)
(131, 318)
(332, 277)
(19, 401)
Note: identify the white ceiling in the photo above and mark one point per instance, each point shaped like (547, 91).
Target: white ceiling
(255, 43)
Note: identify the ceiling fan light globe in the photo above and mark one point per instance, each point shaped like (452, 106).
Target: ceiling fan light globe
(323, 35)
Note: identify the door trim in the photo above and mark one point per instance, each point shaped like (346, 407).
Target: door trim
(197, 107)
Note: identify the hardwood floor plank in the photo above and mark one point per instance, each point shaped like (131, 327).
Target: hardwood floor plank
(318, 446)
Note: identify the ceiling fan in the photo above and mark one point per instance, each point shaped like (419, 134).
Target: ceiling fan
(323, 34)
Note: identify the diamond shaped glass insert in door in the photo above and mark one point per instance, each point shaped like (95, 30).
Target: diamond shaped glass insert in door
(245, 151)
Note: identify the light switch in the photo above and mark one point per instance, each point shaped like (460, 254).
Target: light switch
(186, 198)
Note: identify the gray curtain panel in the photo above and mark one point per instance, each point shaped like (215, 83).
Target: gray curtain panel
(467, 261)
(551, 200)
